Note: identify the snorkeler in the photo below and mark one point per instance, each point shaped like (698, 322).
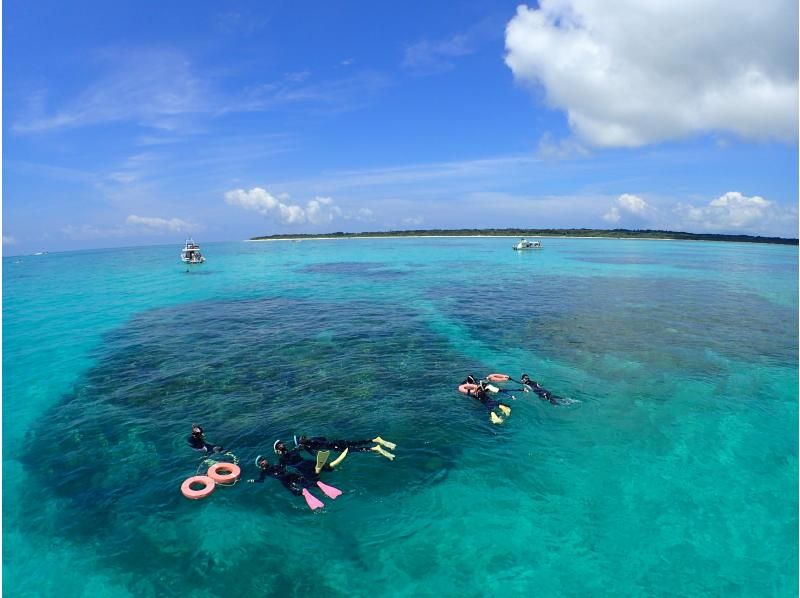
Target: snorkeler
(291, 458)
(320, 443)
(480, 393)
(197, 441)
(542, 393)
(296, 483)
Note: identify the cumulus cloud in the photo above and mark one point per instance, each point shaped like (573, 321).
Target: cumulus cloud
(319, 210)
(9, 240)
(628, 204)
(160, 224)
(629, 73)
(735, 212)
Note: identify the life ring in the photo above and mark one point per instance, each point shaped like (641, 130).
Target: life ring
(498, 378)
(189, 492)
(467, 388)
(224, 473)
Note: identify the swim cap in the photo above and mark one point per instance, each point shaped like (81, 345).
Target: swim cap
(275, 445)
(258, 459)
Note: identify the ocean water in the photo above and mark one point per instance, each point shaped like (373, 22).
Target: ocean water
(670, 470)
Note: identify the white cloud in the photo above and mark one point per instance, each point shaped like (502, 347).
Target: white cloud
(628, 204)
(428, 57)
(9, 240)
(153, 88)
(629, 73)
(734, 212)
(160, 224)
(319, 210)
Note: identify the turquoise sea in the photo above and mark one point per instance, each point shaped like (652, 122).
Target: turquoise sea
(673, 472)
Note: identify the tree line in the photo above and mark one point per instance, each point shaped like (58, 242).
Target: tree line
(616, 233)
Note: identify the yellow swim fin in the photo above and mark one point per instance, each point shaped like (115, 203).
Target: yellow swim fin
(496, 419)
(506, 410)
(390, 445)
(322, 458)
(380, 451)
(340, 458)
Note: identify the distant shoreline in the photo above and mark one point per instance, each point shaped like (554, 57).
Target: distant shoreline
(619, 234)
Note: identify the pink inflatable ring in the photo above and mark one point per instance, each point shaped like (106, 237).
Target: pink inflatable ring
(467, 388)
(191, 493)
(224, 473)
(498, 378)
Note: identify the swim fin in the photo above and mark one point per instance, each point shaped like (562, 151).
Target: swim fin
(390, 445)
(495, 418)
(329, 491)
(312, 501)
(322, 458)
(339, 459)
(506, 410)
(380, 451)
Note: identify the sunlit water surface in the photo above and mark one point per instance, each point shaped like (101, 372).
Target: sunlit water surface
(673, 471)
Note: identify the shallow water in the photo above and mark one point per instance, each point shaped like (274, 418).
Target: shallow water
(673, 472)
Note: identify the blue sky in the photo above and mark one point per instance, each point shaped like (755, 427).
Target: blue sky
(134, 123)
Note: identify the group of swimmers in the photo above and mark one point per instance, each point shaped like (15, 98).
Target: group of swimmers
(298, 474)
(482, 388)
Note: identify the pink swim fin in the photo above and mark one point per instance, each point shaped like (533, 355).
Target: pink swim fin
(329, 491)
(312, 501)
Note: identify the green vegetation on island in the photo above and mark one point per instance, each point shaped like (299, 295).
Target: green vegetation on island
(617, 233)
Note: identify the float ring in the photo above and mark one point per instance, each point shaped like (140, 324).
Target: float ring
(467, 388)
(498, 378)
(224, 473)
(191, 493)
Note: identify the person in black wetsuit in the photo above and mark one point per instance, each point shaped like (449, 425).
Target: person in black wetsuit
(296, 483)
(482, 395)
(197, 441)
(542, 393)
(291, 458)
(319, 443)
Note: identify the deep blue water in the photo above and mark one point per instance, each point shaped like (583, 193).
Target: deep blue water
(671, 471)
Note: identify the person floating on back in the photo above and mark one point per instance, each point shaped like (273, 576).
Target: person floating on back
(294, 482)
(316, 444)
(198, 442)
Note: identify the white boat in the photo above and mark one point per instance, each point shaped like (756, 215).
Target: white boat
(523, 244)
(190, 254)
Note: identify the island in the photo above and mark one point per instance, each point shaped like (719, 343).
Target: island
(616, 233)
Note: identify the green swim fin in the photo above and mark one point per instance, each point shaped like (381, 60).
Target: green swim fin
(506, 410)
(496, 419)
(339, 459)
(322, 458)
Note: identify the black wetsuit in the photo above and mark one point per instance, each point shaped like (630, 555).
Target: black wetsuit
(198, 442)
(542, 393)
(304, 467)
(293, 482)
(484, 398)
(320, 443)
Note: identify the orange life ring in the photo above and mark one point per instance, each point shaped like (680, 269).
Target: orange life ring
(189, 492)
(224, 473)
(467, 388)
(498, 378)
